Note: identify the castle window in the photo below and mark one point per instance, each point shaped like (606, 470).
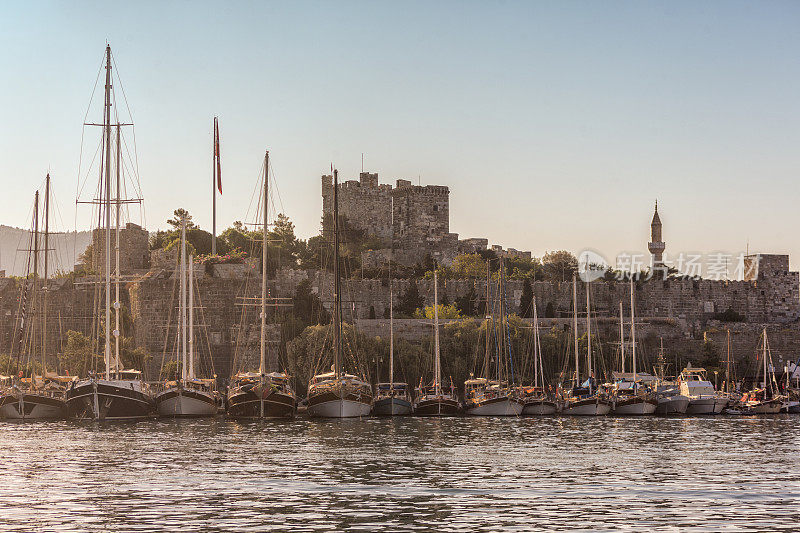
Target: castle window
(435, 208)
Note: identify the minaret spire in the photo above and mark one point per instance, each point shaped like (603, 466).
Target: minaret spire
(656, 244)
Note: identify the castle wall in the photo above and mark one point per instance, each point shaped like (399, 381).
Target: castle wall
(366, 204)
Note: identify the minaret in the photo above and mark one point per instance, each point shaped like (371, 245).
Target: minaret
(656, 245)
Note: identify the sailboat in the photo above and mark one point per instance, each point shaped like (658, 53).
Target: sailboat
(117, 393)
(583, 399)
(261, 394)
(630, 396)
(34, 397)
(765, 399)
(536, 400)
(392, 398)
(337, 394)
(187, 395)
(436, 399)
(494, 395)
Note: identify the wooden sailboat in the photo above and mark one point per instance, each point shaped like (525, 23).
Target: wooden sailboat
(436, 399)
(668, 392)
(117, 393)
(34, 397)
(337, 394)
(494, 395)
(392, 398)
(186, 396)
(536, 399)
(583, 399)
(629, 395)
(262, 394)
(765, 399)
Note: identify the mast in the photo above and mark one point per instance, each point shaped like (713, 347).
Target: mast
(488, 319)
(263, 340)
(536, 354)
(621, 338)
(183, 298)
(728, 359)
(438, 362)
(46, 271)
(633, 336)
(337, 301)
(391, 332)
(107, 187)
(765, 361)
(32, 336)
(116, 260)
(575, 326)
(588, 333)
(190, 369)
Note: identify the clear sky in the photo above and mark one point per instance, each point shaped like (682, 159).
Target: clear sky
(555, 124)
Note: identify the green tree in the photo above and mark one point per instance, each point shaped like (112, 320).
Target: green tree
(175, 221)
(445, 311)
(76, 358)
(466, 303)
(559, 265)
(410, 300)
(468, 266)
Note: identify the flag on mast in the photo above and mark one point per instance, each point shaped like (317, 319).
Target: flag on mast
(216, 155)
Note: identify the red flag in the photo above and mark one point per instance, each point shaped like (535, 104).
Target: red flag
(218, 166)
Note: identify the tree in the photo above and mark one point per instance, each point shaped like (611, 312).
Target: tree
(550, 311)
(410, 300)
(468, 266)
(466, 303)
(307, 307)
(559, 265)
(526, 300)
(175, 221)
(445, 311)
(76, 358)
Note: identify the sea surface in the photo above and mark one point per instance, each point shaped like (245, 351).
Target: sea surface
(404, 474)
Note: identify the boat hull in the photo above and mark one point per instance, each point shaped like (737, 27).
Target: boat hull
(634, 407)
(495, 407)
(31, 406)
(793, 407)
(339, 408)
(589, 407)
(706, 406)
(770, 407)
(104, 400)
(179, 402)
(436, 407)
(391, 407)
(672, 405)
(246, 404)
(539, 408)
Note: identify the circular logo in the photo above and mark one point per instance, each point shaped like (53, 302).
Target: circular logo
(591, 266)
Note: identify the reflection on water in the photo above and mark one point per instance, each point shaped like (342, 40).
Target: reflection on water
(453, 474)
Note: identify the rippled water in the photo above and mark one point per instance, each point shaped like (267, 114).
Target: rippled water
(478, 474)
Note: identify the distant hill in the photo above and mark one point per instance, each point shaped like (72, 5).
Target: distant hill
(66, 248)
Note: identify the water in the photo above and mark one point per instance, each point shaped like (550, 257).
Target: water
(715, 473)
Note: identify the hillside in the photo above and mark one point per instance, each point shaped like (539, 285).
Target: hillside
(65, 249)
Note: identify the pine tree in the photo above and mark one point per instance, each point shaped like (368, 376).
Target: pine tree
(526, 300)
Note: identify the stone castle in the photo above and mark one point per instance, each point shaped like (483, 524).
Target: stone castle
(413, 222)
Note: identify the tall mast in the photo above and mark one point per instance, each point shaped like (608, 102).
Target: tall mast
(621, 338)
(107, 187)
(488, 319)
(263, 339)
(438, 362)
(575, 326)
(588, 333)
(116, 259)
(765, 360)
(391, 331)
(536, 354)
(633, 335)
(32, 336)
(337, 301)
(190, 369)
(46, 270)
(184, 340)
(728, 361)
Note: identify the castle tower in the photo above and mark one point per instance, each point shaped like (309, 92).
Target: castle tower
(656, 245)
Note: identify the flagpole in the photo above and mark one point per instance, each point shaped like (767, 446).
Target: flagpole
(214, 190)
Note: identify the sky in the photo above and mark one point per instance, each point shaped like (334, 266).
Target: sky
(556, 125)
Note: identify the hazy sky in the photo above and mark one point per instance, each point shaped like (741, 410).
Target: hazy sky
(555, 124)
